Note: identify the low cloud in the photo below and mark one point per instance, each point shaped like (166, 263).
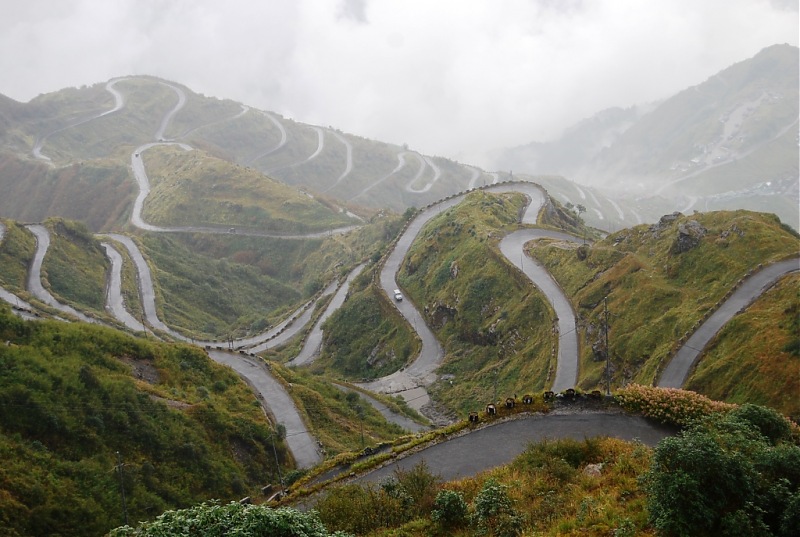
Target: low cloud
(451, 78)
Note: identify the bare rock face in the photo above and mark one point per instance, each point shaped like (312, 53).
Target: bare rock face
(689, 235)
(664, 223)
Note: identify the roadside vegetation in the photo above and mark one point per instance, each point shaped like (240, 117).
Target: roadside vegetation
(756, 356)
(601, 486)
(342, 422)
(73, 396)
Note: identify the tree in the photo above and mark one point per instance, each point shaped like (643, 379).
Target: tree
(724, 477)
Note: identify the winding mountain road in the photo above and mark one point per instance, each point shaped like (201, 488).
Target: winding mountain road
(301, 443)
(512, 246)
(348, 167)
(411, 382)
(119, 102)
(35, 275)
(401, 162)
(115, 304)
(313, 341)
(677, 370)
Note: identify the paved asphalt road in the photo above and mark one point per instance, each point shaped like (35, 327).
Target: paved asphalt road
(566, 374)
(499, 444)
(302, 445)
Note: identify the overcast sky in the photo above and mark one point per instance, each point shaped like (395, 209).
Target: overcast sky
(449, 77)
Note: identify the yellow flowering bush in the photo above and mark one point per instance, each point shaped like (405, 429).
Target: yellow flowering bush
(669, 405)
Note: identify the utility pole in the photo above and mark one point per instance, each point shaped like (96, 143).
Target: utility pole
(608, 350)
(360, 412)
(122, 488)
(275, 452)
(495, 386)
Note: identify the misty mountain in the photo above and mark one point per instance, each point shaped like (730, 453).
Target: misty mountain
(731, 141)
(728, 143)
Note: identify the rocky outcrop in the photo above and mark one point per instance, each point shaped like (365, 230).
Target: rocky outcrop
(689, 235)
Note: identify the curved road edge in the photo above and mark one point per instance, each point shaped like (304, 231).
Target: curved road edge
(498, 444)
(680, 366)
(301, 443)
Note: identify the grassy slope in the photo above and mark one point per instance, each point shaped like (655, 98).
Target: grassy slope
(334, 419)
(756, 357)
(366, 338)
(233, 284)
(191, 187)
(33, 191)
(546, 484)
(16, 253)
(187, 429)
(656, 295)
(213, 297)
(495, 327)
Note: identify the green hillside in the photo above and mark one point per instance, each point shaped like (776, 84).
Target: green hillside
(73, 395)
(33, 192)
(494, 326)
(756, 357)
(16, 251)
(192, 188)
(366, 338)
(659, 281)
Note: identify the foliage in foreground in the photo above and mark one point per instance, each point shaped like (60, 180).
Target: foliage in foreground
(734, 474)
(545, 491)
(212, 520)
(738, 471)
(72, 396)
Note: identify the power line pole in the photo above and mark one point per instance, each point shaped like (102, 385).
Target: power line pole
(122, 488)
(608, 350)
(275, 452)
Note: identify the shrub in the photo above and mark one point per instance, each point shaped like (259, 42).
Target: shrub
(450, 509)
(212, 520)
(494, 512)
(722, 477)
(769, 422)
(669, 405)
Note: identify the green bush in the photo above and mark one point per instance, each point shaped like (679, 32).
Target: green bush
(723, 477)
(494, 512)
(450, 509)
(210, 520)
(769, 422)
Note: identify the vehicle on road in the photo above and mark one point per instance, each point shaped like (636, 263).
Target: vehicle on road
(398, 295)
